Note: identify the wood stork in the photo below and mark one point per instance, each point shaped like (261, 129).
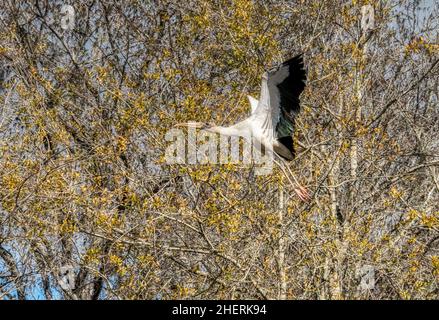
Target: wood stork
(271, 123)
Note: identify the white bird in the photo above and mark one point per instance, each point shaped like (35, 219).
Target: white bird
(271, 123)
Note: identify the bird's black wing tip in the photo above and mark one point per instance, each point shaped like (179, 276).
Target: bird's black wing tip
(297, 60)
(289, 144)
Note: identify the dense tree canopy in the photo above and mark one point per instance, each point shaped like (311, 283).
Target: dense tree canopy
(89, 208)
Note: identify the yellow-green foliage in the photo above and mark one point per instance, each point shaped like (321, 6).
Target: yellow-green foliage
(84, 181)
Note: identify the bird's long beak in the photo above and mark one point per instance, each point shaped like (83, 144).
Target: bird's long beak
(190, 124)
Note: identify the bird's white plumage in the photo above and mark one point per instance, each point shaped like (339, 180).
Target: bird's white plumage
(270, 123)
(266, 115)
(253, 103)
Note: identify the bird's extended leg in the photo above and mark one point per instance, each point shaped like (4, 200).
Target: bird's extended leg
(300, 190)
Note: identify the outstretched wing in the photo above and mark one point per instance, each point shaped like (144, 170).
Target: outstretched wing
(279, 100)
(289, 90)
(253, 103)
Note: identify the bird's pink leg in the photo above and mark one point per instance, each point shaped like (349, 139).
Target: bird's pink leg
(302, 192)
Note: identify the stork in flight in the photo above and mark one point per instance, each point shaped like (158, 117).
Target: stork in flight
(271, 123)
